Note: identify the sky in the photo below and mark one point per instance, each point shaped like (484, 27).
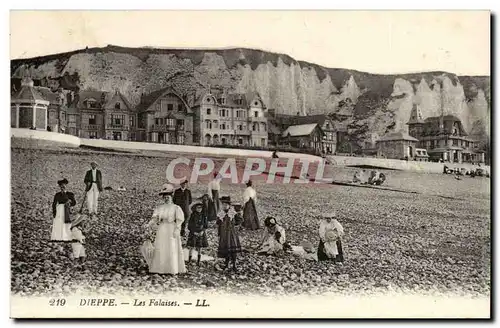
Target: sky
(383, 42)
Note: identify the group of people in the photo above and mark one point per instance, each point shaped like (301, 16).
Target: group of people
(179, 221)
(67, 227)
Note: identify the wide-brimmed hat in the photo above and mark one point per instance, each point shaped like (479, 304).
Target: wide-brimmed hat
(204, 195)
(270, 221)
(93, 162)
(195, 205)
(329, 215)
(167, 188)
(226, 199)
(63, 181)
(79, 219)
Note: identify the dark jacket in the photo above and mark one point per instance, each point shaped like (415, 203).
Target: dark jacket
(62, 198)
(197, 222)
(183, 199)
(89, 180)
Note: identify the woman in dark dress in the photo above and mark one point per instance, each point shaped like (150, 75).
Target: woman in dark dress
(229, 241)
(209, 208)
(250, 218)
(61, 224)
(197, 238)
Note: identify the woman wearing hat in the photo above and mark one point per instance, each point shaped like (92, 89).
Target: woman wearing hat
(229, 241)
(197, 225)
(61, 225)
(250, 218)
(274, 239)
(209, 208)
(330, 244)
(168, 255)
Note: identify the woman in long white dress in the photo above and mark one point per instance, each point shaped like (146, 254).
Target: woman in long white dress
(61, 223)
(168, 255)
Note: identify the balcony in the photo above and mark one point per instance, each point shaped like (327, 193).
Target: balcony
(258, 119)
(165, 128)
(91, 127)
(117, 127)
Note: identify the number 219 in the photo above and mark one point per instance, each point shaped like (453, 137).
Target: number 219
(57, 302)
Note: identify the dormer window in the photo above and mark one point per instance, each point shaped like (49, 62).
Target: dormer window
(256, 103)
(208, 100)
(223, 101)
(117, 105)
(91, 103)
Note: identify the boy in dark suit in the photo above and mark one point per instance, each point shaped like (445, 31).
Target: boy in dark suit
(93, 186)
(182, 198)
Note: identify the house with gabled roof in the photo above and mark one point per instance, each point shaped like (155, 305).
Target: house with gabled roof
(238, 119)
(329, 139)
(101, 115)
(304, 136)
(164, 117)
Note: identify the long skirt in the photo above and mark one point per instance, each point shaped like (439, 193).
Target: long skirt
(168, 256)
(210, 211)
(60, 231)
(229, 243)
(270, 246)
(250, 218)
(197, 241)
(323, 257)
(216, 201)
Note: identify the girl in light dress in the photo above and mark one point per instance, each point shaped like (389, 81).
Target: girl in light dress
(330, 234)
(167, 256)
(61, 224)
(78, 239)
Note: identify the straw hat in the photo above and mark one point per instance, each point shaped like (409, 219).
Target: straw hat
(167, 188)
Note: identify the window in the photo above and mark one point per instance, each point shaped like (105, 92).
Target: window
(223, 100)
(131, 121)
(180, 124)
(327, 126)
(255, 127)
(157, 121)
(208, 100)
(170, 107)
(158, 106)
(170, 122)
(240, 127)
(93, 134)
(240, 141)
(256, 114)
(92, 119)
(263, 142)
(223, 141)
(180, 108)
(256, 103)
(238, 101)
(180, 139)
(209, 111)
(91, 103)
(117, 105)
(455, 142)
(223, 126)
(117, 119)
(208, 124)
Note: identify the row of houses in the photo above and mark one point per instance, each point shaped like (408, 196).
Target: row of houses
(221, 118)
(163, 116)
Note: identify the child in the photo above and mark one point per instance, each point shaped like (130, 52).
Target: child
(78, 239)
(274, 239)
(197, 238)
(238, 217)
(229, 242)
(330, 234)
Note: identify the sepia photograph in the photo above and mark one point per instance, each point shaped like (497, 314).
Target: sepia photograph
(250, 164)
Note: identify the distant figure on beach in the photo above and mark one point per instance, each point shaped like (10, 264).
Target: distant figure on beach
(93, 186)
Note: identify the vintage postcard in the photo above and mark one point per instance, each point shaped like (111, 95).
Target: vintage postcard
(250, 164)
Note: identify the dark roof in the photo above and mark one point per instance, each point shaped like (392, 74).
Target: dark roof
(28, 93)
(396, 136)
(445, 118)
(149, 99)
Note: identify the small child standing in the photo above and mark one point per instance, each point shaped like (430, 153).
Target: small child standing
(197, 238)
(78, 239)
